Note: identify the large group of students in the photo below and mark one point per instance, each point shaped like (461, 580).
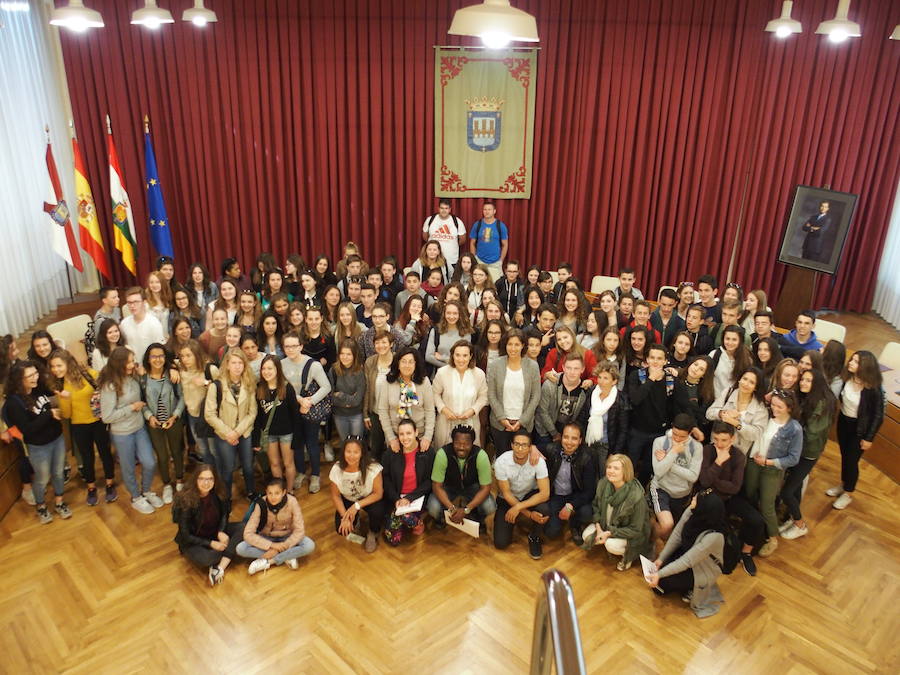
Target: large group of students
(462, 386)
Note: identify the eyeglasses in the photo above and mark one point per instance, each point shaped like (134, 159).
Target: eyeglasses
(157, 356)
(287, 346)
(205, 479)
(687, 283)
(521, 445)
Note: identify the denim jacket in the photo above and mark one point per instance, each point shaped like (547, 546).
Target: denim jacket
(786, 445)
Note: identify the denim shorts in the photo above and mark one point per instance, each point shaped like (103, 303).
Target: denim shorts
(286, 439)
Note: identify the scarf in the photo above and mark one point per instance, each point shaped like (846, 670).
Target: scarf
(275, 508)
(599, 407)
(408, 398)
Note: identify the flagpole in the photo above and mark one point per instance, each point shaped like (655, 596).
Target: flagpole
(68, 277)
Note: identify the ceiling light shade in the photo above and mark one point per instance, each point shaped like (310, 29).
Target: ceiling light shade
(495, 22)
(784, 26)
(151, 16)
(198, 14)
(75, 16)
(840, 27)
(896, 34)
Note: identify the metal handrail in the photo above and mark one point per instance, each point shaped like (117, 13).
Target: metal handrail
(556, 634)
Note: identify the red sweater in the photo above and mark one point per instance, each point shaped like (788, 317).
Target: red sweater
(555, 361)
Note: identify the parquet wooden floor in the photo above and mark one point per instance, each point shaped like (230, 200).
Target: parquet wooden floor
(107, 592)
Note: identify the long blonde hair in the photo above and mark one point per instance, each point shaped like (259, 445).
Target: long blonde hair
(248, 380)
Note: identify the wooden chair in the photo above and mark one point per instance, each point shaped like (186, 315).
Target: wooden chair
(71, 332)
(890, 355)
(828, 330)
(601, 283)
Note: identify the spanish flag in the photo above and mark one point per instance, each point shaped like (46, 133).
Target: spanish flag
(88, 225)
(123, 220)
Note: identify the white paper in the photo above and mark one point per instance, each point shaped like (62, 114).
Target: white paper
(648, 567)
(587, 535)
(470, 527)
(412, 507)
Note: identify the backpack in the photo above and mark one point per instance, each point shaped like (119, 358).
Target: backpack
(203, 430)
(430, 369)
(95, 397)
(731, 551)
(263, 514)
(481, 224)
(90, 338)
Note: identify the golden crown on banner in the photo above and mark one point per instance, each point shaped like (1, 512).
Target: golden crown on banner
(484, 104)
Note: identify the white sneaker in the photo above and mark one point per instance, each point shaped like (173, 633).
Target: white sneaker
(179, 486)
(28, 496)
(329, 453)
(785, 526)
(835, 491)
(259, 565)
(299, 480)
(154, 500)
(795, 532)
(167, 494)
(314, 485)
(292, 563)
(141, 505)
(843, 501)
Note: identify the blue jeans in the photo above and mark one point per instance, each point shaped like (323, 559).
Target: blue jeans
(226, 456)
(306, 435)
(349, 425)
(578, 520)
(48, 461)
(305, 547)
(204, 445)
(134, 448)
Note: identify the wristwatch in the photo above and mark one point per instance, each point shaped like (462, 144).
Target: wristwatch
(466, 510)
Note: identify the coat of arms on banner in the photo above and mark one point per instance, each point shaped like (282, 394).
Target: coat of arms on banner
(484, 122)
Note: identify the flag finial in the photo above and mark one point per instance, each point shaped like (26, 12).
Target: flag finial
(146, 124)
(47, 132)
(72, 128)
(108, 125)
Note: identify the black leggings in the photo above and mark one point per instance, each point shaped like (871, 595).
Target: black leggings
(851, 452)
(203, 556)
(375, 512)
(792, 489)
(683, 582)
(85, 437)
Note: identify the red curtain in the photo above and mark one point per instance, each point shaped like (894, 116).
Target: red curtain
(663, 129)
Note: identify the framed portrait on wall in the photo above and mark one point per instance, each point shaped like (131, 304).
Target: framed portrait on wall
(817, 228)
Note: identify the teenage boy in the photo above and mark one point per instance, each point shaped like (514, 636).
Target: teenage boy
(446, 229)
(731, 312)
(354, 269)
(626, 284)
(489, 240)
(650, 392)
(393, 282)
(562, 402)
(564, 272)
(626, 309)
(764, 322)
(545, 283)
(708, 288)
(141, 329)
(354, 290)
(803, 337)
(412, 286)
(368, 297)
(109, 306)
(665, 319)
(382, 294)
(701, 343)
(677, 459)
(524, 490)
(642, 318)
(510, 289)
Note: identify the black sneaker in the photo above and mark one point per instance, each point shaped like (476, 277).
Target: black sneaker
(748, 564)
(535, 549)
(577, 539)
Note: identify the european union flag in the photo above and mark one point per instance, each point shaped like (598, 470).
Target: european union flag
(160, 232)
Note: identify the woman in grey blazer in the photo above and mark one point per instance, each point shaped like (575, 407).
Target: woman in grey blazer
(408, 395)
(514, 390)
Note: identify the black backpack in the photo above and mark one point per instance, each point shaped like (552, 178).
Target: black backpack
(263, 514)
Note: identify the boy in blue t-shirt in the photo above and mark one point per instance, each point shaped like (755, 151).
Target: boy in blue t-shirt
(489, 240)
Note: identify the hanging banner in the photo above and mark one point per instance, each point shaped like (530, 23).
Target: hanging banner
(484, 122)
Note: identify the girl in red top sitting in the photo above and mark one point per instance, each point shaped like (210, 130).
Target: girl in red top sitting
(556, 358)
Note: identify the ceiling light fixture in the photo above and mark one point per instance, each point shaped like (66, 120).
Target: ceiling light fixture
(76, 17)
(496, 23)
(199, 15)
(784, 26)
(840, 27)
(896, 34)
(14, 6)
(151, 16)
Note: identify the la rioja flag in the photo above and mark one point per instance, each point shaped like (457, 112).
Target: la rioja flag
(62, 238)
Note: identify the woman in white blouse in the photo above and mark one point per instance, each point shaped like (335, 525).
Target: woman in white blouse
(460, 392)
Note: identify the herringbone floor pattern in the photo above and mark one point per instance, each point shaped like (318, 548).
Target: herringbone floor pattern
(107, 592)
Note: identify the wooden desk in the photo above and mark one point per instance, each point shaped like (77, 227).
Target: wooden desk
(10, 485)
(885, 451)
